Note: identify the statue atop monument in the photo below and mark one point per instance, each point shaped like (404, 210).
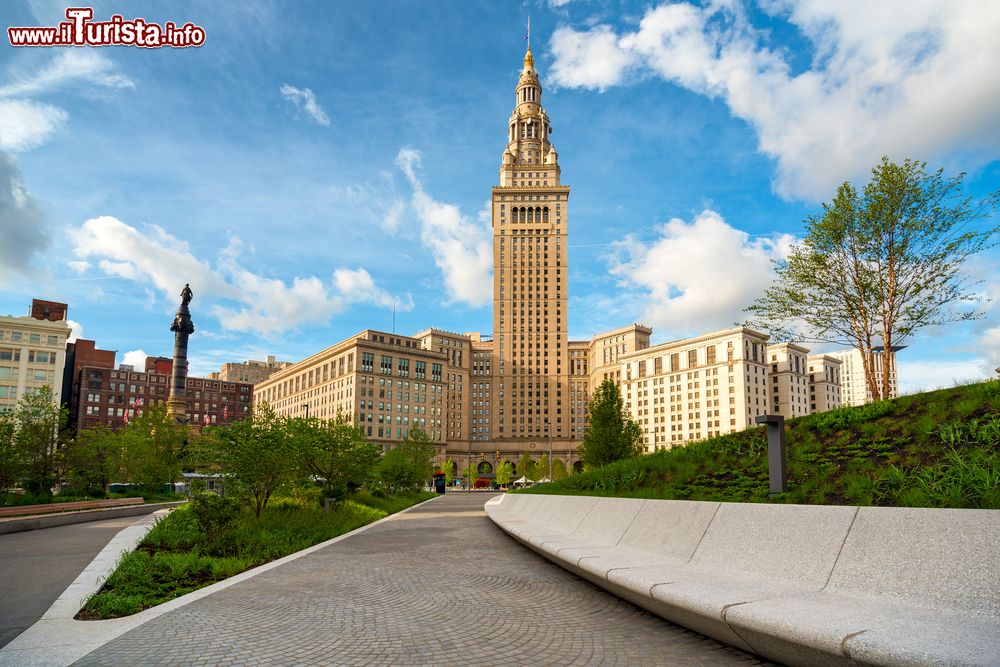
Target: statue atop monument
(182, 328)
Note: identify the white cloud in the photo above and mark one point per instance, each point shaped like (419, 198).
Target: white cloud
(376, 201)
(461, 247)
(25, 124)
(136, 359)
(305, 99)
(259, 303)
(591, 59)
(697, 276)
(75, 331)
(357, 286)
(919, 376)
(69, 66)
(918, 81)
(23, 228)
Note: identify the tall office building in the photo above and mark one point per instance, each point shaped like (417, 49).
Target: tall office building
(530, 385)
(854, 386)
(33, 352)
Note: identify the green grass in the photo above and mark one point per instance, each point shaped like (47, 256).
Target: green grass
(938, 449)
(176, 558)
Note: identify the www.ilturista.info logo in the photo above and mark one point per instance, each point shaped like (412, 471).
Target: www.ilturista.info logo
(81, 30)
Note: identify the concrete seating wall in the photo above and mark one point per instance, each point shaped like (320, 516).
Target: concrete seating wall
(801, 584)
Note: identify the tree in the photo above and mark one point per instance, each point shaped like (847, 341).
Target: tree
(526, 467)
(420, 451)
(337, 452)
(94, 459)
(471, 473)
(152, 447)
(13, 459)
(31, 438)
(876, 267)
(448, 468)
(611, 435)
(396, 471)
(255, 454)
(505, 473)
(558, 469)
(542, 467)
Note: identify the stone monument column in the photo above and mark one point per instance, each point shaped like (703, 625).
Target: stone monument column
(182, 328)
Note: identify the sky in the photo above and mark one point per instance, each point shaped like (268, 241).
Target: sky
(314, 167)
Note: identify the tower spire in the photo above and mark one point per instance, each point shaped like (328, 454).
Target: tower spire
(529, 32)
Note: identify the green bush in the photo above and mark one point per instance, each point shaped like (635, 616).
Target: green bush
(215, 514)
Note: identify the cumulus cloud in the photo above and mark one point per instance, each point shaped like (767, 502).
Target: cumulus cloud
(75, 331)
(255, 302)
(699, 275)
(23, 227)
(919, 81)
(136, 359)
(305, 99)
(461, 247)
(357, 286)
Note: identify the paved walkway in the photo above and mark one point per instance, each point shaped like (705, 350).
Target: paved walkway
(439, 585)
(36, 566)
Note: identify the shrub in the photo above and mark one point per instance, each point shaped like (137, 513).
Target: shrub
(215, 515)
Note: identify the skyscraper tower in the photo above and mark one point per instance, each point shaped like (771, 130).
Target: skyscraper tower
(530, 367)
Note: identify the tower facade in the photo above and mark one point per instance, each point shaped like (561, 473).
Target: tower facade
(529, 361)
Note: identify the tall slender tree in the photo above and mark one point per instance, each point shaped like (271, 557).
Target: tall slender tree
(611, 434)
(876, 267)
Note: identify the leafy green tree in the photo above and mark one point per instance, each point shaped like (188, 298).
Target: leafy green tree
(256, 454)
(471, 474)
(13, 459)
(449, 471)
(94, 459)
(542, 466)
(31, 435)
(526, 467)
(152, 447)
(877, 266)
(505, 473)
(396, 471)
(420, 451)
(558, 469)
(336, 452)
(611, 435)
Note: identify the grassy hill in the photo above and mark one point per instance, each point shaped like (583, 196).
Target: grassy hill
(937, 449)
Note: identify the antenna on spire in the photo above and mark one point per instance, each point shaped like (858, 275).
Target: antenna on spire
(527, 35)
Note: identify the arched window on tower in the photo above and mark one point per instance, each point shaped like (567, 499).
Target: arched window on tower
(531, 215)
(545, 214)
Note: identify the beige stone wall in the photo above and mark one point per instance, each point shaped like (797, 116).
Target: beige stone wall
(32, 356)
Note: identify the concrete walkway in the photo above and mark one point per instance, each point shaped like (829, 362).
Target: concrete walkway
(37, 566)
(439, 585)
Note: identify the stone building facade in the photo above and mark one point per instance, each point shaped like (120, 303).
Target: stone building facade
(33, 352)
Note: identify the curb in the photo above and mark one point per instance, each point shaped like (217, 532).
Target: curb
(22, 524)
(58, 639)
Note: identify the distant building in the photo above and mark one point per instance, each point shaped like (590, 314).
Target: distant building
(33, 352)
(388, 383)
(852, 374)
(825, 391)
(113, 396)
(696, 388)
(251, 371)
(789, 380)
(79, 355)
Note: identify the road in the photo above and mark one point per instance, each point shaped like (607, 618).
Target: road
(439, 585)
(36, 566)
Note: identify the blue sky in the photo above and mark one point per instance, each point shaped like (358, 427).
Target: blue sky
(315, 163)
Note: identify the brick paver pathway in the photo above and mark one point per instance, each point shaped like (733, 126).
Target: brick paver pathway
(440, 585)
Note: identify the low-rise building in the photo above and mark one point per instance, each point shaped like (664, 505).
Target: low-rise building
(251, 371)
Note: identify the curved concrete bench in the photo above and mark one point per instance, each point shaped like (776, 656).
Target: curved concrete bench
(802, 584)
